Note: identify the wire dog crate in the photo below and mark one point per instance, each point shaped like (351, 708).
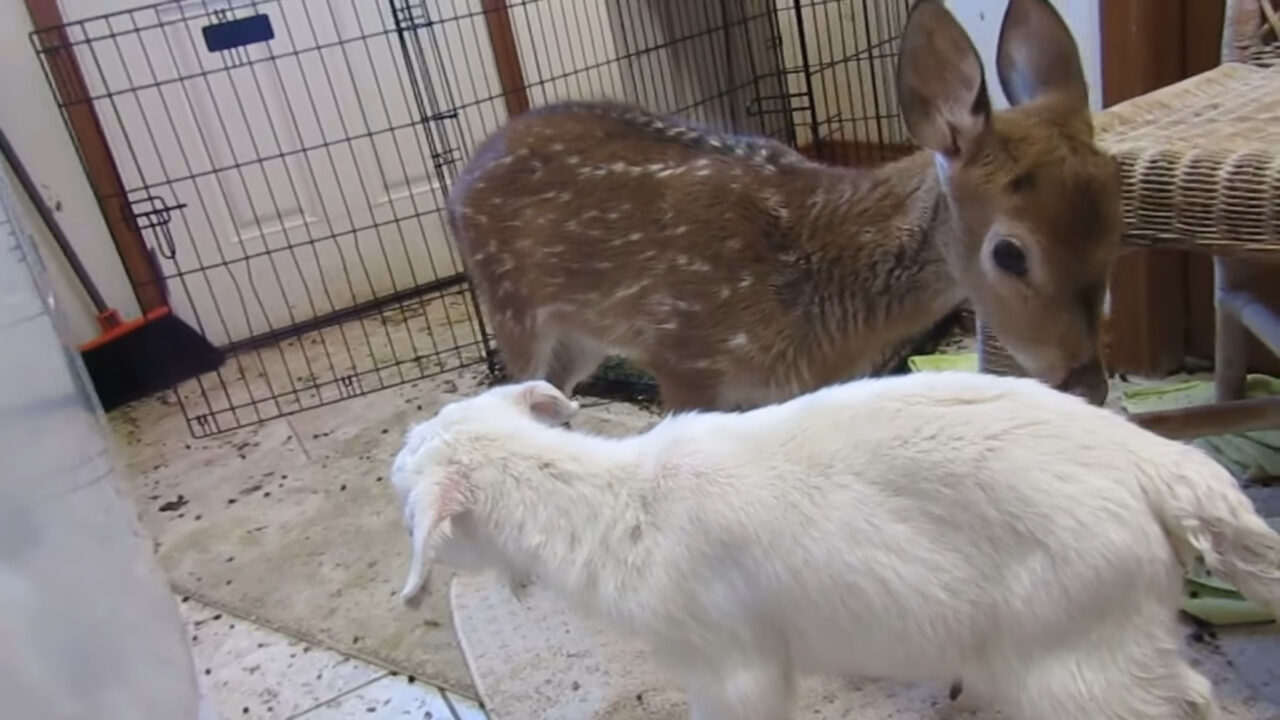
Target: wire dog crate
(276, 170)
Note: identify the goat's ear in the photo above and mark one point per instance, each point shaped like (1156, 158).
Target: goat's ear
(546, 402)
(429, 516)
(1037, 56)
(941, 88)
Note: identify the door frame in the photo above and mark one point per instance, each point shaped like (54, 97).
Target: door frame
(62, 70)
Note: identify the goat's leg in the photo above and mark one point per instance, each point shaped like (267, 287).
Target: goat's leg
(743, 689)
(1135, 673)
(968, 693)
(1196, 693)
(1065, 692)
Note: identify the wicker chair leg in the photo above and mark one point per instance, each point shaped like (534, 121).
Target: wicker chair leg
(1231, 336)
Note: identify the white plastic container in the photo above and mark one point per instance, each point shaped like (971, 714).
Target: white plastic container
(88, 626)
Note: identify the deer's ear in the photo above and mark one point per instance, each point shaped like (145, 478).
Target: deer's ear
(1037, 56)
(429, 513)
(546, 403)
(940, 83)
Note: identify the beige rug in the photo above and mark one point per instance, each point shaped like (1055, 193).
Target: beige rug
(292, 523)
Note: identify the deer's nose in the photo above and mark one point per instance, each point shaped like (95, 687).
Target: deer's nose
(1088, 381)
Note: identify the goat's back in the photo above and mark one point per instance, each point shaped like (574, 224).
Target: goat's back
(969, 507)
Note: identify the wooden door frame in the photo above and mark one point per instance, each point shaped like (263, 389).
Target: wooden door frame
(76, 105)
(506, 56)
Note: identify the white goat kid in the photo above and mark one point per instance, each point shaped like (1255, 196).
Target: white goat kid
(919, 528)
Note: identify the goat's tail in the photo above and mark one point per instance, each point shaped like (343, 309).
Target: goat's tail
(1203, 510)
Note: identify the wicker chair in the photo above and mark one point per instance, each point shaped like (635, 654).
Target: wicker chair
(1201, 167)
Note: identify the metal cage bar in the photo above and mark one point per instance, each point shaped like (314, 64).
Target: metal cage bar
(281, 167)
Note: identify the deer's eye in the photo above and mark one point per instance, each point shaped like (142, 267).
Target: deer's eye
(1009, 257)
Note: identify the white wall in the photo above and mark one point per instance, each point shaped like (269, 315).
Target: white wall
(982, 19)
(33, 123)
(88, 626)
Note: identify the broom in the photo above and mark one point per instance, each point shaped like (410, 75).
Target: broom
(132, 359)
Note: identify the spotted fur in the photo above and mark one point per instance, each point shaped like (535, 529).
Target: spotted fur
(741, 273)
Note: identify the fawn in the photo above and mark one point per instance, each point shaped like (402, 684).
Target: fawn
(739, 273)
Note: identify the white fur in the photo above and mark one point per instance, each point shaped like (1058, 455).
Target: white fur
(920, 528)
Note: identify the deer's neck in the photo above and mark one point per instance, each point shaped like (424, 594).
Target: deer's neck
(872, 241)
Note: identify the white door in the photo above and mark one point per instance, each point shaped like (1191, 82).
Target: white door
(301, 175)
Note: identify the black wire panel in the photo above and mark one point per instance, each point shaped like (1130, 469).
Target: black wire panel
(286, 161)
(843, 55)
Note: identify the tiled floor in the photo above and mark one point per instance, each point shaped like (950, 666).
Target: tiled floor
(255, 673)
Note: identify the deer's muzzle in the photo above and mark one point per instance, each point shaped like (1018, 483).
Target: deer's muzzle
(1088, 381)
